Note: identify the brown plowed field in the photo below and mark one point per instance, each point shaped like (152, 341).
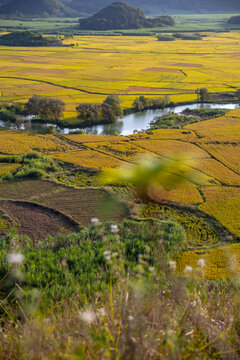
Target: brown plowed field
(79, 204)
(37, 221)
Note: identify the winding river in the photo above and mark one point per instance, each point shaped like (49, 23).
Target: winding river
(130, 123)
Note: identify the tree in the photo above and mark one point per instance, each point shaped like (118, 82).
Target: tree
(202, 94)
(115, 103)
(89, 113)
(238, 94)
(45, 107)
(140, 103)
(107, 114)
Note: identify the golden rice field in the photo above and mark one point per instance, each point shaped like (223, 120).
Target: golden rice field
(6, 168)
(222, 262)
(212, 166)
(20, 142)
(214, 181)
(88, 159)
(97, 66)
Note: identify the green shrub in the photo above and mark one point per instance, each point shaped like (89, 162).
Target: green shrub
(7, 115)
(75, 264)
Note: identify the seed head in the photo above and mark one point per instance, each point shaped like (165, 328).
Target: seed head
(15, 258)
(188, 269)
(173, 265)
(88, 316)
(201, 262)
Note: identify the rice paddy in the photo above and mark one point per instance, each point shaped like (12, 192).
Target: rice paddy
(99, 65)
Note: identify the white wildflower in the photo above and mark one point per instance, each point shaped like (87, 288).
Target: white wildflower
(152, 269)
(107, 252)
(15, 258)
(188, 269)
(94, 220)
(102, 312)
(114, 229)
(108, 257)
(201, 262)
(88, 316)
(173, 265)
(130, 318)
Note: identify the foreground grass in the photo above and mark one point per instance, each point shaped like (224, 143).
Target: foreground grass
(143, 311)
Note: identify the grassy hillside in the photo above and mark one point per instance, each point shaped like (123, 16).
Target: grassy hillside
(120, 15)
(36, 8)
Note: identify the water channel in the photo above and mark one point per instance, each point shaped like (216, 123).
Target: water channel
(130, 123)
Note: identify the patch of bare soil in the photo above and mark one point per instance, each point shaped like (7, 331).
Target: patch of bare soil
(37, 221)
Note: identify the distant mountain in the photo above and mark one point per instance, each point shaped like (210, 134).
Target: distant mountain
(36, 8)
(163, 6)
(120, 15)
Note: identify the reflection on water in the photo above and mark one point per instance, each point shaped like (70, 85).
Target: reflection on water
(127, 125)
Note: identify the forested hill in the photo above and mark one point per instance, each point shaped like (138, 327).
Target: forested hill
(120, 15)
(36, 8)
(163, 6)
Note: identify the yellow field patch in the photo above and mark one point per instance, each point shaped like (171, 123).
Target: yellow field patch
(88, 159)
(120, 149)
(228, 154)
(223, 262)
(82, 138)
(20, 142)
(6, 168)
(216, 170)
(121, 65)
(172, 147)
(165, 134)
(186, 193)
(223, 203)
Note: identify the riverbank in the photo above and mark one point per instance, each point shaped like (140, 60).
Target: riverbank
(133, 122)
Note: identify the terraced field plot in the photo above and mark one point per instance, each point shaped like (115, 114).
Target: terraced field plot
(222, 262)
(37, 221)
(21, 142)
(102, 65)
(80, 205)
(6, 168)
(210, 150)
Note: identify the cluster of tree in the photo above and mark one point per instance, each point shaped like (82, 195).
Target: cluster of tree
(173, 37)
(45, 108)
(238, 94)
(143, 103)
(27, 38)
(186, 36)
(120, 15)
(188, 116)
(202, 94)
(107, 112)
(234, 20)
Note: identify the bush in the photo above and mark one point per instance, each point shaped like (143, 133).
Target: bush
(86, 269)
(45, 107)
(34, 165)
(7, 115)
